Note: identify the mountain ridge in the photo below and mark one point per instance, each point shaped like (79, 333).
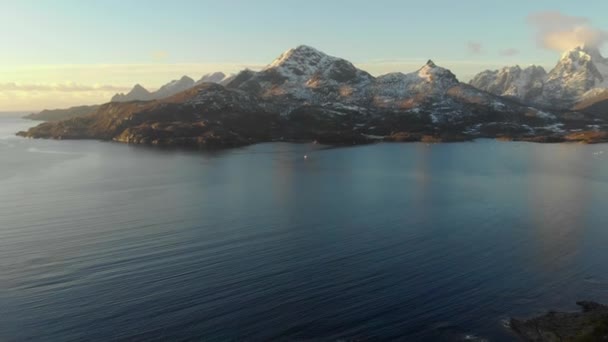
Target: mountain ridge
(307, 95)
(580, 73)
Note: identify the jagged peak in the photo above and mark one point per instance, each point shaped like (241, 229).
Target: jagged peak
(306, 48)
(583, 53)
(215, 74)
(432, 72)
(213, 77)
(186, 79)
(138, 88)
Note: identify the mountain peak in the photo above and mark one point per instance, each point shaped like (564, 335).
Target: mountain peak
(302, 54)
(431, 72)
(138, 87)
(594, 52)
(584, 53)
(215, 77)
(186, 79)
(306, 48)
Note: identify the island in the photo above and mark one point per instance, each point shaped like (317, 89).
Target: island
(307, 95)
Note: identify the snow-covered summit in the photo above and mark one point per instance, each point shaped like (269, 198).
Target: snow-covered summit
(307, 74)
(429, 81)
(432, 73)
(579, 71)
(513, 82)
(301, 55)
(576, 73)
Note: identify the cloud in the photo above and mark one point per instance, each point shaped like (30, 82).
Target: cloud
(474, 48)
(59, 87)
(509, 52)
(557, 31)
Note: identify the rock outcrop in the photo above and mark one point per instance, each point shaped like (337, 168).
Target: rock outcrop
(589, 325)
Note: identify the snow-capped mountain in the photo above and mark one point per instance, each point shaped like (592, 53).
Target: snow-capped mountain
(580, 73)
(138, 93)
(576, 73)
(306, 74)
(403, 90)
(514, 82)
(215, 77)
(306, 94)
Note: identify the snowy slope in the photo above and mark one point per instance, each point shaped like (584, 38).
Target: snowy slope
(580, 73)
(306, 74)
(514, 82)
(400, 90)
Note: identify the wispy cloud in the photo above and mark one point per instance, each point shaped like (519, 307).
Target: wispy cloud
(150, 75)
(59, 87)
(509, 52)
(36, 87)
(557, 31)
(475, 48)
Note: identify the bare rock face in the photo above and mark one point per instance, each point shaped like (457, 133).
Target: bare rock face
(514, 82)
(589, 325)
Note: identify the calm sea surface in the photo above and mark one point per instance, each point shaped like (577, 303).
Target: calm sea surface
(104, 241)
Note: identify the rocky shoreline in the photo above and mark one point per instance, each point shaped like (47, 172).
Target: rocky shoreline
(591, 324)
(215, 140)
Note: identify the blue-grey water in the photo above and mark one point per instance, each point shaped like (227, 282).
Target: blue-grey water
(104, 241)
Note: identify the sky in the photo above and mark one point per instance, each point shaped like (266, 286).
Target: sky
(62, 53)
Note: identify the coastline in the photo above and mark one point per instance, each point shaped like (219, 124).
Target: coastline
(591, 324)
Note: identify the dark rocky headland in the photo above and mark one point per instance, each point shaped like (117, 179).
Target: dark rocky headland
(589, 325)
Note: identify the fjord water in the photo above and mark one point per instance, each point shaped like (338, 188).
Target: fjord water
(104, 241)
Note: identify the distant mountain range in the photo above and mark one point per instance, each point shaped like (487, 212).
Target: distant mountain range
(139, 93)
(62, 114)
(307, 95)
(581, 75)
